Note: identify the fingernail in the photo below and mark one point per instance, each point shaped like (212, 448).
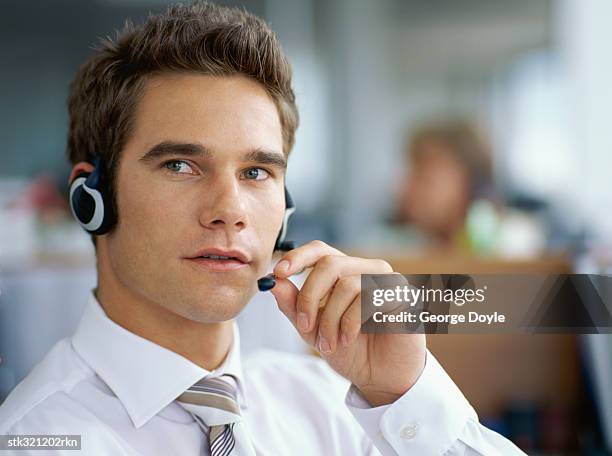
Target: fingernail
(324, 346)
(282, 266)
(344, 340)
(302, 321)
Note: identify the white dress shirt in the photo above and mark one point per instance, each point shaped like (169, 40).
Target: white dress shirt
(117, 390)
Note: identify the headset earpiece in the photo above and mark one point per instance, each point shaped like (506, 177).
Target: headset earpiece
(89, 202)
(281, 243)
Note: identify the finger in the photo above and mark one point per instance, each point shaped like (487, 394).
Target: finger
(324, 275)
(285, 292)
(303, 257)
(350, 323)
(345, 291)
(323, 301)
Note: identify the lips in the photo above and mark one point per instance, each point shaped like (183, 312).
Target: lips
(220, 260)
(221, 255)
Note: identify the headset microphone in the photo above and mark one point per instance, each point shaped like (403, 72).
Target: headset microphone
(266, 282)
(281, 243)
(269, 281)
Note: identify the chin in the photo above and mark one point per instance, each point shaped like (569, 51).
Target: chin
(217, 306)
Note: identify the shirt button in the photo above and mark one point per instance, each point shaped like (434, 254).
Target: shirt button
(409, 431)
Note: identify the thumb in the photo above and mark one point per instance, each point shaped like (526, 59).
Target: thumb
(285, 293)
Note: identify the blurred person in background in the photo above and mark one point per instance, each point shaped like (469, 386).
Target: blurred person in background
(447, 173)
(448, 167)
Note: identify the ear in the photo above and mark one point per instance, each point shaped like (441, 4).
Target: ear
(81, 167)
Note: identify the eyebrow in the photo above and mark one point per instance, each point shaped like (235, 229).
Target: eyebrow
(167, 148)
(267, 158)
(171, 148)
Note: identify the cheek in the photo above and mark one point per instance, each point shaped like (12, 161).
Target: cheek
(450, 188)
(267, 220)
(148, 215)
(146, 238)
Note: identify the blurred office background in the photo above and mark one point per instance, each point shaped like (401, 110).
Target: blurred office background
(532, 77)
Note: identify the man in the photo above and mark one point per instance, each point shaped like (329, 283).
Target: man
(193, 117)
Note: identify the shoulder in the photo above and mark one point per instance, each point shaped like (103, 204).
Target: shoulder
(58, 413)
(42, 398)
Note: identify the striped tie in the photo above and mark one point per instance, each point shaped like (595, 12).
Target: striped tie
(214, 401)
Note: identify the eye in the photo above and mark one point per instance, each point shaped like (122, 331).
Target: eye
(175, 166)
(256, 174)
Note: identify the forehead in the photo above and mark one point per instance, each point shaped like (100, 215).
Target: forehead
(222, 113)
(434, 152)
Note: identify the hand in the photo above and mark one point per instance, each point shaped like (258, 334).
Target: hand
(327, 314)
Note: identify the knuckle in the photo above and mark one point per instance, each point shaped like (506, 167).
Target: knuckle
(356, 284)
(329, 261)
(291, 255)
(305, 301)
(348, 284)
(384, 265)
(349, 323)
(325, 326)
(343, 285)
(318, 243)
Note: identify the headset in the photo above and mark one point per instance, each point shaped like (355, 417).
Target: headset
(92, 207)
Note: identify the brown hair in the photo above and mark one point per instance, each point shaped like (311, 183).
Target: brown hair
(464, 143)
(199, 37)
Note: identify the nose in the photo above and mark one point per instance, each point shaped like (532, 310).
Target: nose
(226, 207)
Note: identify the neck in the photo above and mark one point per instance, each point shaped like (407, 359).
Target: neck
(204, 344)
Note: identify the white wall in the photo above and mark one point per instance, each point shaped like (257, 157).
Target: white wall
(584, 36)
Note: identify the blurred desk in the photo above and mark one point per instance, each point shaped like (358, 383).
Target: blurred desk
(40, 302)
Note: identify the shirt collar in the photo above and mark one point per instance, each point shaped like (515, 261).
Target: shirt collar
(144, 376)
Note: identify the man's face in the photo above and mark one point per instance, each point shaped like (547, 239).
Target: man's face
(203, 170)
